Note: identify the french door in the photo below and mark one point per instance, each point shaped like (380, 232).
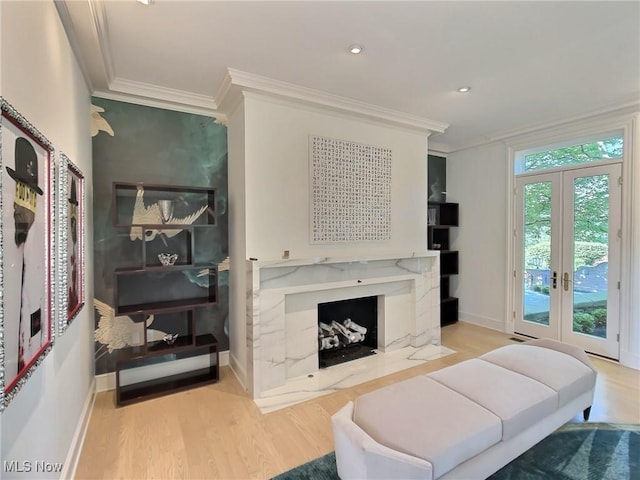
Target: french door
(567, 257)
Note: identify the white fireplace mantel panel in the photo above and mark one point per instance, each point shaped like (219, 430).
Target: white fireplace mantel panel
(282, 308)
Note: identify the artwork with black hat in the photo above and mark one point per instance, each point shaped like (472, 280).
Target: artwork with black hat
(26, 167)
(73, 205)
(73, 194)
(26, 334)
(72, 181)
(25, 175)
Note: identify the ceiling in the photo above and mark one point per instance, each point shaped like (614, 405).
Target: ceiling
(529, 64)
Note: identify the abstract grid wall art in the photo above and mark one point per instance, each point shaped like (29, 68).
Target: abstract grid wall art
(350, 191)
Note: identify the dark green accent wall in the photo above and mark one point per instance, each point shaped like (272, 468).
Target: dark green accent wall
(437, 173)
(154, 146)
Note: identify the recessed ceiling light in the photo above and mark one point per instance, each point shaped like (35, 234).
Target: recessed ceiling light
(145, 2)
(464, 89)
(356, 49)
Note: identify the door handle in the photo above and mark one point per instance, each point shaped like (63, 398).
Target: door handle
(554, 280)
(566, 282)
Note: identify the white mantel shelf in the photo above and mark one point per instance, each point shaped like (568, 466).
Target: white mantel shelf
(282, 300)
(292, 262)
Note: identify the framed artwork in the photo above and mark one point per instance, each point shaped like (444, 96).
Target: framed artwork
(350, 191)
(26, 326)
(71, 234)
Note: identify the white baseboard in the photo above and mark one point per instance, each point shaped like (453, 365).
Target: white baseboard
(73, 455)
(107, 381)
(223, 357)
(630, 359)
(238, 371)
(486, 322)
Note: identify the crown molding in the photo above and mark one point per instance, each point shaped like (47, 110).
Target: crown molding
(236, 82)
(435, 148)
(163, 94)
(559, 127)
(628, 107)
(476, 143)
(72, 37)
(224, 92)
(228, 97)
(99, 73)
(145, 98)
(101, 33)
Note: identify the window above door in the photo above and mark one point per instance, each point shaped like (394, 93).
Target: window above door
(593, 150)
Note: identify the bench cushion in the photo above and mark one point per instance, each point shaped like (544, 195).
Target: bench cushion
(562, 372)
(423, 418)
(358, 456)
(519, 401)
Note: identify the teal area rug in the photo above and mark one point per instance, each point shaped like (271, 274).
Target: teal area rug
(580, 451)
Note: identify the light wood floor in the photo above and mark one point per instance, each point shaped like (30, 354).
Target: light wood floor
(217, 432)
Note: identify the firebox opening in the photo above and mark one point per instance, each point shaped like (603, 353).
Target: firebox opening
(347, 330)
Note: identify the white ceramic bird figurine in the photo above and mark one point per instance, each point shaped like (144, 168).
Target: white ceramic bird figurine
(224, 265)
(98, 122)
(120, 332)
(151, 215)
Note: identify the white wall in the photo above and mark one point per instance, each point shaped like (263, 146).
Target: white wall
(269, 191)
(630, 344)
(477, 180)
(277, 179)
(40, 78)
(1, 49)
(237, 241)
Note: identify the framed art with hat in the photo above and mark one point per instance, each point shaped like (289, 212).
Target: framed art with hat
(71, 235)
(26, 259)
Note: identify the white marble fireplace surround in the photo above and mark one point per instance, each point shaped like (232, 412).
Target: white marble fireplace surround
(282, 300)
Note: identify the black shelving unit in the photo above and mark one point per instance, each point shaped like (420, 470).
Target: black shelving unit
(442, 216)
(168, 221)
(145, 390)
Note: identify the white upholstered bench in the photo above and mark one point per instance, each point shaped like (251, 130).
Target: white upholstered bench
(467, 420)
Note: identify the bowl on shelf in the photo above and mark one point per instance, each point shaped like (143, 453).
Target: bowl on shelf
(170, 338)
(167, 259)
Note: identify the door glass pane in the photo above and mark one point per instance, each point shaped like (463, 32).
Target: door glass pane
(537, 252)
(590, 254)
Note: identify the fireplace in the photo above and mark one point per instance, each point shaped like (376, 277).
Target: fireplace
(281, 323)
(347, 330)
